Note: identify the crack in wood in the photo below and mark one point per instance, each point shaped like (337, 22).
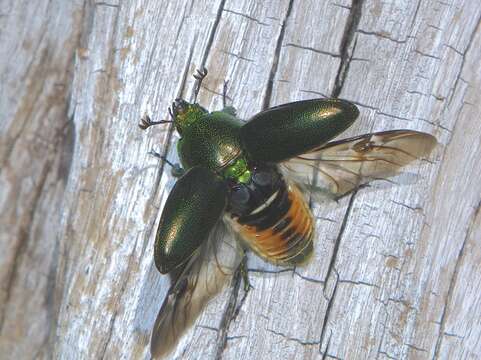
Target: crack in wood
(275, 60)
(452, 282)
(246, 16)
(339, 237)
(215, 26)
(237, 56)
(415, 16)
(318, 93)
(170, 133)
(417, 51)
(228, 315)
(105, 4)
(387, 355)
(381, 35)
(317, 51)
(352, 24)
(463, 61)
(352, 282)
(325, 320)
(299, 341)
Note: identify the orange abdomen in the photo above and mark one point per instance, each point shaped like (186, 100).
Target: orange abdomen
(281, 231)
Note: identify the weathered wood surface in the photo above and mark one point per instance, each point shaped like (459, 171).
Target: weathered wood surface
(396, 272)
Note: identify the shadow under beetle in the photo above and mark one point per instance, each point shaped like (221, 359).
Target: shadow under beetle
(249, 180)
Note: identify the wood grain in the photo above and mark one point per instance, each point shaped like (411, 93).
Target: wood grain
(395, 273)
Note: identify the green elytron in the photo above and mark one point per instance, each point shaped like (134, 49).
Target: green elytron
(253, 176)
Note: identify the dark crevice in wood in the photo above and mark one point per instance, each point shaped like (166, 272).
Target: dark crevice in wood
(228, 315)
(387, 355)
(416, 348)
(339, 237)
(453, 280)
(237, 57)
(324, 354)
(215, 26)
(232, 310)
(168, 142)
(239, 307)
(381, 35)
(275, 60)
(347, 39)
(24, 233)
(170, 133)
(468, 47)
(103, 3)
(415, 16)
(325, 320)
(426, 54)
(352, 282)
(246, 16)
(331, 267)
(60, 282)
(299, 341)
(308, 279)
(66, 139)
(181, 92)
(317, 51)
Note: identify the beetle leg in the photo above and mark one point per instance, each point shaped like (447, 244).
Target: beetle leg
(228, 109)
(177, 170)
(199, 76)
(146, 122)
(245, 275)
(224, 93)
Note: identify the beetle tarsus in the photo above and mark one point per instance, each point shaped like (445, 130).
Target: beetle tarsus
(146, 122)
(177, 170)
(199, 77)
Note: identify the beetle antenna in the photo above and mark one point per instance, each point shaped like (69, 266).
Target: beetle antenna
(199, 76)
(146, 122)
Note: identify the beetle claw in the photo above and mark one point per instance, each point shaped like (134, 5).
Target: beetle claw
(145, 122)
(201, 73)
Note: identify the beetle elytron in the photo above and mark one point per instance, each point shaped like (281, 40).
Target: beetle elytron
(251, 175)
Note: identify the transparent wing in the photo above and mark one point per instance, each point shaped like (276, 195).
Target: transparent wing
(341, 166)
(208, 271)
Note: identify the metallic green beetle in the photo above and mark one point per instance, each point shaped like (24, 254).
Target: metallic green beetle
(253, 176)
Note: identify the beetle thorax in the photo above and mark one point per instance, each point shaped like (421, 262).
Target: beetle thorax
(238, 171)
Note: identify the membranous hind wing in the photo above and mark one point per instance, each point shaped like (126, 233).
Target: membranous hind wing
(205, 275)
(341, 166)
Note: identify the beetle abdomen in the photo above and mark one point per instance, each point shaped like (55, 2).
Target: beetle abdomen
(280, 228)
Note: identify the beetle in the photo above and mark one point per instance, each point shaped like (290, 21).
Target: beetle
(253, 176)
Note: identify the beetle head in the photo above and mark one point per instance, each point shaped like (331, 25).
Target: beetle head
(185, 113)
